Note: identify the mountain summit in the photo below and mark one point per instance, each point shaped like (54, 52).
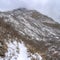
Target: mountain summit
(28, 35)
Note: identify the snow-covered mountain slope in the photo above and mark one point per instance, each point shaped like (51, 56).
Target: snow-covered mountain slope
(28, 35)
(18, 51)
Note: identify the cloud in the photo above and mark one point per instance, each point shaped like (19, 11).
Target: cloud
(10, 4)
(47, 7)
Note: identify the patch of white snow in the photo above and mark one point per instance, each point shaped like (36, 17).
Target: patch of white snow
(18, 51)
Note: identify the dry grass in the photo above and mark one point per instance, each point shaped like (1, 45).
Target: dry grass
(57, 26)
(36, 15)
(32, 45)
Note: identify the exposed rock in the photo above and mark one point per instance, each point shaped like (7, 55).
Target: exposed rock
(3, 48)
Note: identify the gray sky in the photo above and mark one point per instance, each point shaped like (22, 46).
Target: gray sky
(10, 4)
(47, 7)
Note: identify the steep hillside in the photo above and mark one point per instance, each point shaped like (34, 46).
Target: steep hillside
(28, 35)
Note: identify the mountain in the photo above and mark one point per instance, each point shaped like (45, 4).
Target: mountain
(28, 35)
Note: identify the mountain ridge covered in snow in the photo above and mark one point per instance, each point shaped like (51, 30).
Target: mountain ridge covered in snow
(28, 34)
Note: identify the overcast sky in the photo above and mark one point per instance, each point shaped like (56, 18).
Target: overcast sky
(47, 7)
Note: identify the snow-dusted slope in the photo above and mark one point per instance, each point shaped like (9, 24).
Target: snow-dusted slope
(38, 36)
(18, 51)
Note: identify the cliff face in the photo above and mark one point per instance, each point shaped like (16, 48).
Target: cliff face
(28, 35)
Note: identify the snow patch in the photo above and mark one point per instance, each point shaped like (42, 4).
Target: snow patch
(18, 51)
